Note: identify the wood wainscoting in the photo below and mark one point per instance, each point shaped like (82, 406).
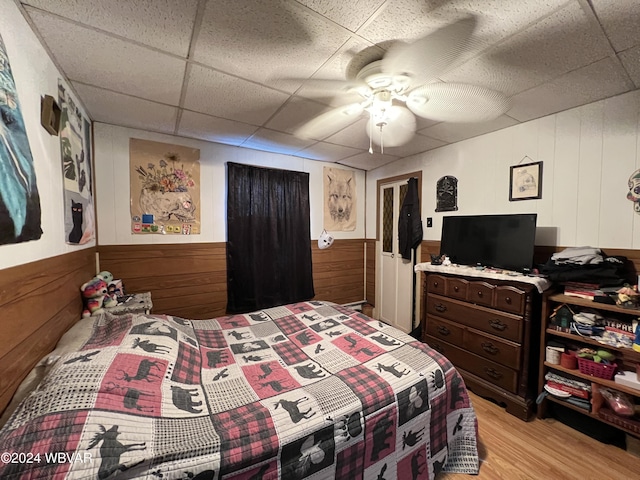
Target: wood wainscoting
(370, 272)
(39, 301)
(190, 280)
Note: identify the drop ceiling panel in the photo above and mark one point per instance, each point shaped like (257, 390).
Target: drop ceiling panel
(327, 152)
(266, 40)
(631, 61)
(117, 109)
(597, 81)
(294, 114)
(352, 136)
(214, 129)
(343, 12)
(455, 132)
(368, 161)
(230, 97)
(620, 20)
(562, 42)
(163, 24)
(276, 142)
(107, 62)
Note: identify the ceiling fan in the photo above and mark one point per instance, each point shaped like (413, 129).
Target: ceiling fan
(403, 84)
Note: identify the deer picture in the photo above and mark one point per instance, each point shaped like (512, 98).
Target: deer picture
(111, 450)
(293, 410)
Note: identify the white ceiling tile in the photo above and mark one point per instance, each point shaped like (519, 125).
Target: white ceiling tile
(352, 136)
(214, 129)
(117, 109)
(276, 142)
(560, 43)
(368, 161)
(163, 24)
(327, 152)
(230, 97)
(295, 113)
(419, 143)
(631, 61)
(266, 40)
(110, 63)
(455, 132)
(344, 13)
(597, 81)
(620, 20)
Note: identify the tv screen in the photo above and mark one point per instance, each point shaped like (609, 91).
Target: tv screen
(499, 241)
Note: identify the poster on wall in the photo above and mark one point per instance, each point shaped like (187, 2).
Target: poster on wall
(165, 188)
(19, 197)
(340, 199)
(75, 149)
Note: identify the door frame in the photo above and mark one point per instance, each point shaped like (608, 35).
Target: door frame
(382, 181)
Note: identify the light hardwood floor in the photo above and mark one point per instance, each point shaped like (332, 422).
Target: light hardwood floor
(511, 449)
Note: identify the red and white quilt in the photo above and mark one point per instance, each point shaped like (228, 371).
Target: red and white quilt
(308, 390)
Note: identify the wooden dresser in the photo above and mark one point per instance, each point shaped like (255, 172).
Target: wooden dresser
(489, 329)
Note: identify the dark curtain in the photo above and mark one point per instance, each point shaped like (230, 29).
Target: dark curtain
(268, 238)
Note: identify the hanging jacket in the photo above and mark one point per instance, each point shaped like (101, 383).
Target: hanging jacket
(410, 223)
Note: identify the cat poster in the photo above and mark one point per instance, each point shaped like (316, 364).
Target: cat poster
(339, 200)
(20, 213)
(75, 149)
(165, 188)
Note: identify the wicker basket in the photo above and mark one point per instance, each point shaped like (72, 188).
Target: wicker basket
(600, 370)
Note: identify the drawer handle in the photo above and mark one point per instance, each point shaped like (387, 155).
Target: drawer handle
(479, 293)
(507, 300)
(493, 373)
(440, 307)
(442, 330)
(456, 288)
(435, 284)
(437, 347)
(498, 325)
(490, 348)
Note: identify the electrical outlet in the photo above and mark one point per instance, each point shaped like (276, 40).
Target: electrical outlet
(429, 222)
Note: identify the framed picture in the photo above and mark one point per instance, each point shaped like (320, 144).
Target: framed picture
(525, 181)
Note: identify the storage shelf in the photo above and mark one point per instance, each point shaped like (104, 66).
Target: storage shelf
(627, 352)
(583, 302)
(559, 401)
(591, 378)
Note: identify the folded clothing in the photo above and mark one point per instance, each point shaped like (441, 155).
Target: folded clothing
(578, 256)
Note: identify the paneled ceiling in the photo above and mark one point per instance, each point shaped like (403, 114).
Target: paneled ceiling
(238, 72)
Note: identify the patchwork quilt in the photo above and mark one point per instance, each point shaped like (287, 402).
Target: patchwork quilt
(308, 390)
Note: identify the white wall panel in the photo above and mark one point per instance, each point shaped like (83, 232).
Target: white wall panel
(112, 179)
(619, 161)
(565, 167)
(590, 175)
(588, 154)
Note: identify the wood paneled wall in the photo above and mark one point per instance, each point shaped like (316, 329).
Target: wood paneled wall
(39, 301)
(370, 273)
(338, 272)
(190, 280)
(186, 280)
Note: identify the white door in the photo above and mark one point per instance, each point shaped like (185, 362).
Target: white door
(395, 275)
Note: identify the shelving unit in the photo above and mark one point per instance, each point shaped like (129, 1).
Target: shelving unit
(625, 357)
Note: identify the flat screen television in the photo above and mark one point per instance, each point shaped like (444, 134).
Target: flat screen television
(499, 241)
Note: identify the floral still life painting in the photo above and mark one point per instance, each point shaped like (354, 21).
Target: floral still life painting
(165, 188)
(19, 197)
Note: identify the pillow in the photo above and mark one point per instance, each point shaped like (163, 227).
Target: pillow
(71, 341)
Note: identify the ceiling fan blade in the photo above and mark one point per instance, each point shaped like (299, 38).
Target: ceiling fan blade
(457, 102)
(330, 122)
(430, 56)
(399, 129)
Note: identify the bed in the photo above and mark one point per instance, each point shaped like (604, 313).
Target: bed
(307, 390)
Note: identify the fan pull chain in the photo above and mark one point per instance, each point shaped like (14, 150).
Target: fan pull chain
(381, 142)
(370, 138)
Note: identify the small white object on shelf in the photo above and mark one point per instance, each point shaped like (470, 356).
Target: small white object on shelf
(628, 379)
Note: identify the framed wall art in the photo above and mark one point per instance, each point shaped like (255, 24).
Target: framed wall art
(525, 181)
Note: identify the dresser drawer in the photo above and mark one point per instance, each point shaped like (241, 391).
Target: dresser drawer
(492, 372)
(456, 288)
(501, 324)
(436, 284)
(481, 293)
(444, 330)
(488, 346)
(510, 299)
